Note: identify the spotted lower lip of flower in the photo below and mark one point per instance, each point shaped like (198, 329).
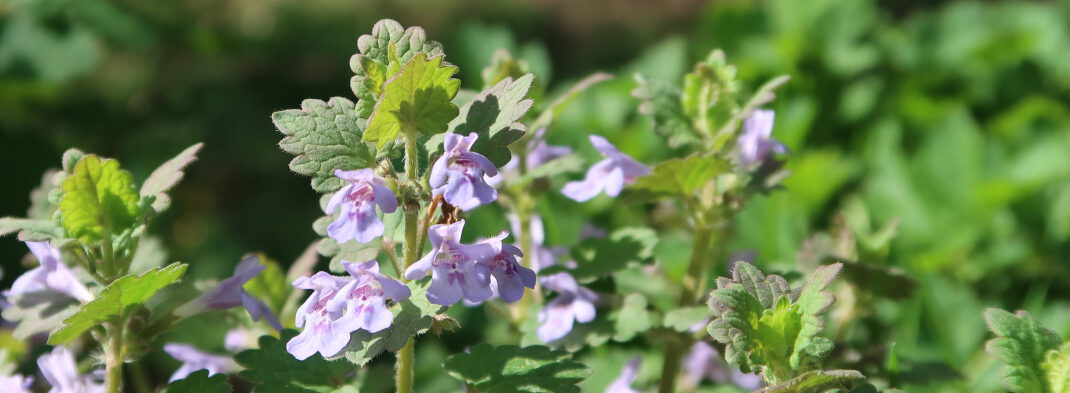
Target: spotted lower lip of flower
(319, 333)
(509, 276)
(363, 300)
(610, 175)
(458, 175)
(356, 201)
(51, 277)
(457, 270)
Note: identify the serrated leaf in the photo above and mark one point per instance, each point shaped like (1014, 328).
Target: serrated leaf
(412, 317)
(682, 319)
(381, 55)
(418, 99)
(768, 327)
(273, 370)
(494, 114)
(324, 136)
(200, 382)
(98, 199)
(632, 318)
(167, 175)
(818, 381)
(1057, 369)
(681, 176)
(42, 207)
(596, 257)
(512, 369)
(662, 103)
(117, 300)
(1021, 343)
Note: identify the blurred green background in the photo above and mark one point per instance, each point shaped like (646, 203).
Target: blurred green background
(952, 117)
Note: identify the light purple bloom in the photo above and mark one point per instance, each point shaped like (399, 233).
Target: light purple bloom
(193, 360)
(610, 174)
(321, 331)
(457, 270)
(509, 277)
(230, 294)
(50, 278)
(357, 201)
(705, 362)
(623, 383)
(756, 142)
(363, 300)
(60, 371)
(15, 383)
(572, 304)
(539, 152)
(458, 174)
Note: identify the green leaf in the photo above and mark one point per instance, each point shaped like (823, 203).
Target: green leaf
(818, 381)
(1057, 369)
(30, 230)
(417, 99)
(494, 114)
(632, 318)
(381, 55)
(412, 317)
(166, 176)
(200, 382)
(324, 136)
(682, 319)
(662, 103)
(98, 200)
(512, 369)
(681, 176)
(118, 300)
(596, 257)
(1021, 343)
(273, 370)
(767, 326)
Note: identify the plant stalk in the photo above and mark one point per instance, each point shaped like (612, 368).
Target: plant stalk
(404, 367)
(113, 357)
(694, 285)
(405, 356)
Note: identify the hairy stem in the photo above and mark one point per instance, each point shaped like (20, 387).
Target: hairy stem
(404, 377)
(694, 285)
(113, 356)
(404, 367)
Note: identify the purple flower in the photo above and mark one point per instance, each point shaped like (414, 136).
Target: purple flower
(363, 300)
(623, 383)
(573, 303)
(341, 305)
(456, 269)
(50, 278)
(60, 371)
(15, 383)
(705, 362)
(610, 174)
(539, 152)
(357, 200)
(230, 294)
(321, 331)
(458, 174)
(193, 360)
(509, 277)
(541, 256)
(755, 144)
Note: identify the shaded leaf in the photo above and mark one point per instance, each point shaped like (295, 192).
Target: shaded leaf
(596, 257)
(1021, 343)
(273, 370)
(632, 318)
(199, 382)
(682, 319)
(494, 114)
(509, 369)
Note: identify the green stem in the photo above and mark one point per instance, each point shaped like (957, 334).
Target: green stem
(694, 285)
(113, 357)
(412, 156)
(404, 367)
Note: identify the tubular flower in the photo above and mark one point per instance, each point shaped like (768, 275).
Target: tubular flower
(623, 383)
(572, 304)
(611, 174)
(357, 200)
(192, 360)
(539, 152)
(509, 277)
(458, 175)
(457, 270)
(756, 142)
(50, 278)
(230, 294)
(705, 362)
(16, 383)
(60, 371)
(363, 299)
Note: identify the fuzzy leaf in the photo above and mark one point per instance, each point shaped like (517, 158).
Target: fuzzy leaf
(200, 382)
(818, 381)
(632, 319)
(273, 370)
(324, 136)
(512, 369)
(381, 55)
(35, 316)
(681, 176)
(167, 175)
(30, 229)
(119, 298)
(766, 326)
(412, 317)
(494, 114)
(1057, 369)
(417, 99)
(662, 103)
(98, 199)
(1021, 343)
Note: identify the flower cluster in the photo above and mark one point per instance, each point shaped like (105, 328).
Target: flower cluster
(61, 372)
(339, 306)
(357, 201)
(459, 174)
